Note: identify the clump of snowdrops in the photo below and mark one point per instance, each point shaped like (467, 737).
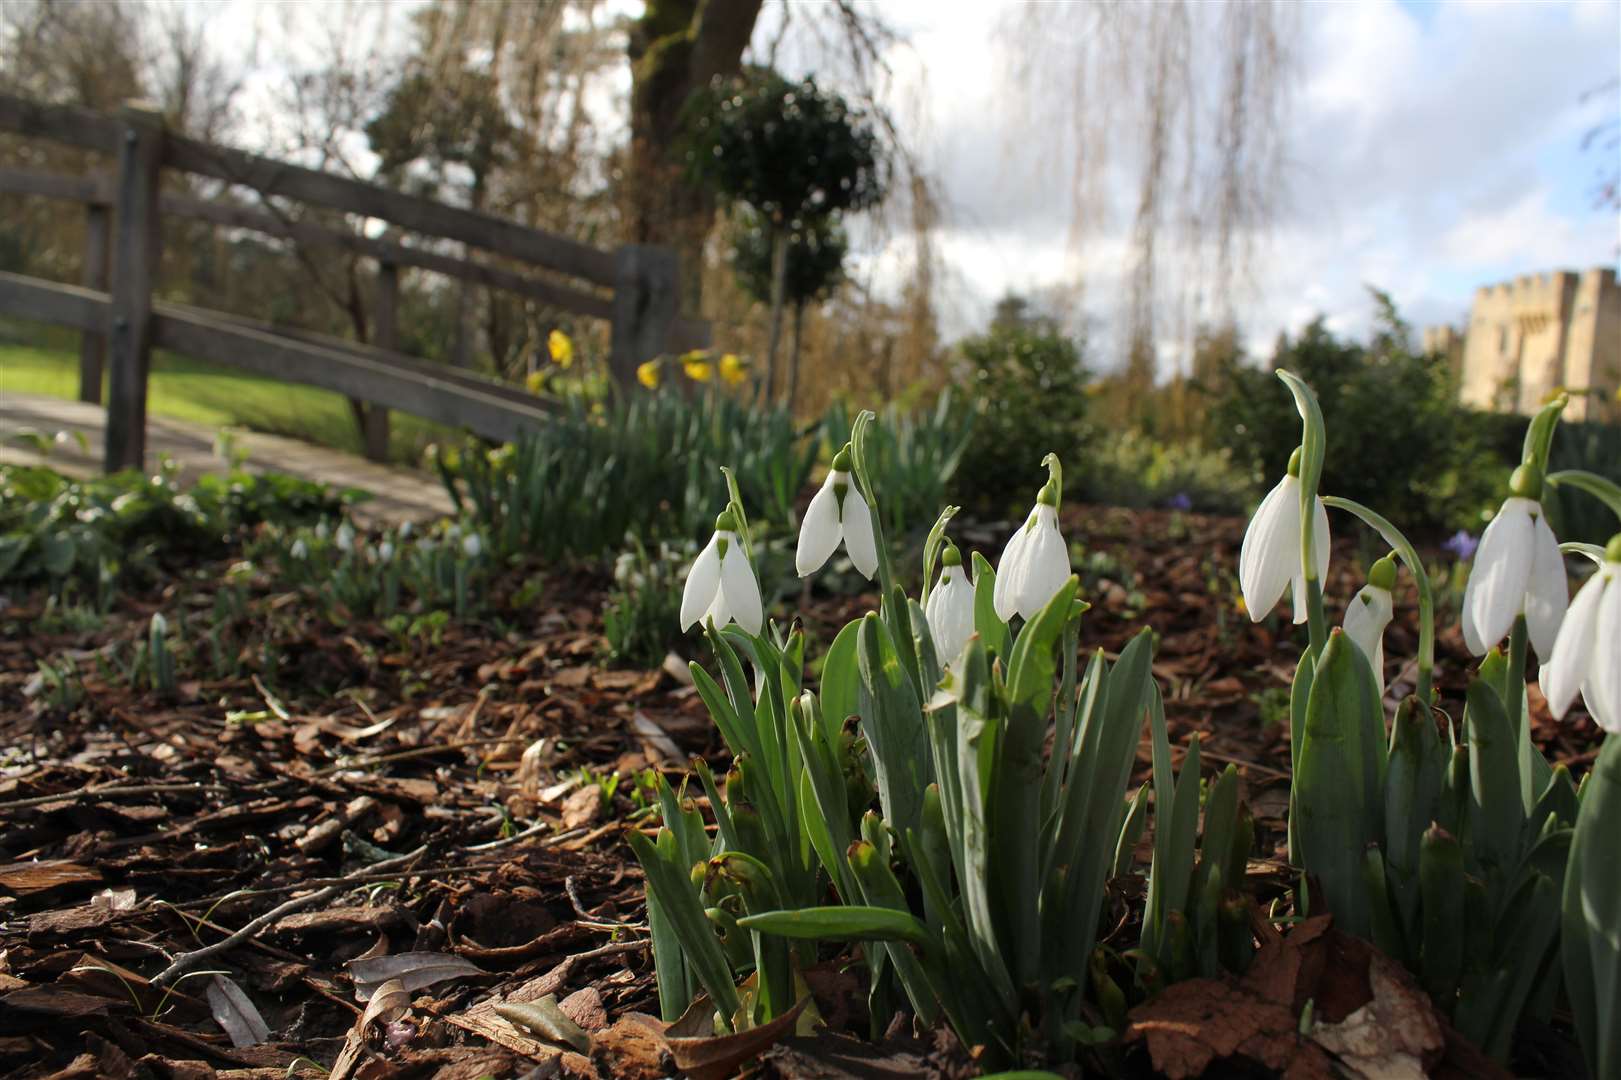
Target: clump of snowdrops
(909, 802)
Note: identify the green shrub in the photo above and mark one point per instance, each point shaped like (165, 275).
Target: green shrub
(1029, 384)
(1133, 469)
(1397, 437)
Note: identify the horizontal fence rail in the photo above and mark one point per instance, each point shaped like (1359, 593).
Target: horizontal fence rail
(120, 321)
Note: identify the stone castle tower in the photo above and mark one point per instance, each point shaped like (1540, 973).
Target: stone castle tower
(1536, 334)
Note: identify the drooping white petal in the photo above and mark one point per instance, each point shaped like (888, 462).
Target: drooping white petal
(1365, 621)
(1496, 590)
(1270, 556)
(950, 614)
(819, 533)
(703, 583)
(1044, 564)
(1005, 596)
(1568, 666)
(858, 538)
(1547, 590)
(741, 591)
(1604, 669)
(1319, 549)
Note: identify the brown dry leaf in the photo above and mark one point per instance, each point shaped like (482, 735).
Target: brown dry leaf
(413, 971)
(582, 808)
(1198, 1022)
(716, 1057)
(235, 1013)
(1395, 1035)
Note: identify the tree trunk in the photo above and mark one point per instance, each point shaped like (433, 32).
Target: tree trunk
(676, 47)
(779, 283)
(793, 355)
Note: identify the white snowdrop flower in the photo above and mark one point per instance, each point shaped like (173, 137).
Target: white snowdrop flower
(1587, 651)
(950, 608)
(721, 585)
(299, 550)
(385, 552)
(1269, 561)
(406, 529)
(1369, 613)
(837, 512)
(1035, 563)
(321, 529)
(344, 538)
(1518, 570)
(472, 545)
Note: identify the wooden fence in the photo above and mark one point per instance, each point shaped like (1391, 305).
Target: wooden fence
(634, 287)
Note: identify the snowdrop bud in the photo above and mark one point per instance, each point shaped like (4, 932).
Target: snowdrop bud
(320, 529)
(299, 550)
(345, 538)
(385, 552)
(1369, 613)
(950, 608)
(406, 530)
(472, 545)
(1518, 570)
(720, 585)
(1035, 563)
(837, 512)
(1586, 653)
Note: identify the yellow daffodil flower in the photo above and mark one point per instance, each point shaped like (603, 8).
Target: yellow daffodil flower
(698, 370)
(534, 381)
(732, 369)
(561, 347)
(648, 374)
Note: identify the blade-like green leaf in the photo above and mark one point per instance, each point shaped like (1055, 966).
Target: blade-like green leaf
(1591, 919)
(848, 922)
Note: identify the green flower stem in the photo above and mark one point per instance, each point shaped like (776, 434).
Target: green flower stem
(1606, 491)
(1426, 594)
(1514, 680)
(863, 476)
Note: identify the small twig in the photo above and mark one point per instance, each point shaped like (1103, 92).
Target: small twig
(404, 755)
(537, 827)
(186, 961)
(109, 792)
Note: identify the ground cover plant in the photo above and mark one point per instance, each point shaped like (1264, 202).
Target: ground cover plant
(449, 794)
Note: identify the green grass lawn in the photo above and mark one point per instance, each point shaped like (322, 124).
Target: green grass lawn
(191, 390)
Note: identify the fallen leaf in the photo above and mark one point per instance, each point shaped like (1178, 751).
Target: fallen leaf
(412, 970)
(235, 1013)
(582, 808)
(545, 1019)
(655, 737)
(716, 1057)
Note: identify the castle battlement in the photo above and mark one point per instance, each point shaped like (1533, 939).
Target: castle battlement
(1535, 335)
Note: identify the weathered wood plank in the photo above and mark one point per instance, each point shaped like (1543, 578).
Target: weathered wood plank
(53, 302)
(49, 185)
(137, 240)
(395, 384)
(271, 177)
(93, 343)
(645, 298)
(241, 217)
(62, 123)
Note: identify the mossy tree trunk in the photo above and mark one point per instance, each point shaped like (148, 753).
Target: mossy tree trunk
(677, 47)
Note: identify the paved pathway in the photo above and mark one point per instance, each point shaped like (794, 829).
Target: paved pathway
(398, 494)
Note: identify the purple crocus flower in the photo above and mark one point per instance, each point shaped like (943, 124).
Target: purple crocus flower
(1180, 501)
(1462, 544)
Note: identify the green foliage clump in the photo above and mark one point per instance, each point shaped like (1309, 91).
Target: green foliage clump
(581, 484)
(1029, 383)
(107, 530)
(1397, 436)
(642, 615)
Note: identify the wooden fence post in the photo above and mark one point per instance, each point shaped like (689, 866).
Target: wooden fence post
(93, 343)
(645, 300)
(385, 335)
(136, 244)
